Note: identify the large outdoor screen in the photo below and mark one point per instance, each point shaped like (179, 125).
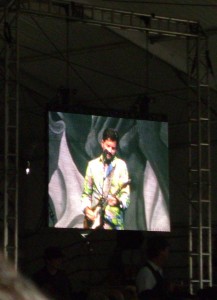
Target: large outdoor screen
(138, 180)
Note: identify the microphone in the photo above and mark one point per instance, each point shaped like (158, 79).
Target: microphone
(105, 159)
(107, 152)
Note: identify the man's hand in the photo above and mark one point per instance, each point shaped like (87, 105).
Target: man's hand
(89, 214)
(112, 201)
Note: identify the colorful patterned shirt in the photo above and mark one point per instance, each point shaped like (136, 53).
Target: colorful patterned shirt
(100, 182)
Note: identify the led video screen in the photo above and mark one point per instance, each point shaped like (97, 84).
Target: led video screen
(107, 172)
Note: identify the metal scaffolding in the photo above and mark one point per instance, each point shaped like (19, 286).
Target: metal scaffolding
(9, 23)
(111, 18)
(200, 246)
(200, 267)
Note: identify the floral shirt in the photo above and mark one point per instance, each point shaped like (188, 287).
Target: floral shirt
(100, 182)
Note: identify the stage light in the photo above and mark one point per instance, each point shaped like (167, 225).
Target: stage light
(141, 106)
(28, 167)
(146, 20)
(194, 28)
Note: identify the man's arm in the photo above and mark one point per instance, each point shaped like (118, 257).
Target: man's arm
(121, 196)
(86, 198)
(87, 190)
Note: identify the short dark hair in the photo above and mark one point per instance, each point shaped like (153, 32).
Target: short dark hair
(155, 245)
(53, 252)
(110, 133)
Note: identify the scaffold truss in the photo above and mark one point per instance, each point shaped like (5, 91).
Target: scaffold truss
(10, 104)
(200, 268)
(200, 246)
(113, 18)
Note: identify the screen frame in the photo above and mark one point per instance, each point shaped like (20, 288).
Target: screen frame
(104, 113)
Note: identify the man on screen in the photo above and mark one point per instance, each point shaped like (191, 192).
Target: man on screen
(106, 190)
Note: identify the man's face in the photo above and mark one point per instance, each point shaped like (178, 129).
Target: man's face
(109, 148)
(164, 255)
(55, 263)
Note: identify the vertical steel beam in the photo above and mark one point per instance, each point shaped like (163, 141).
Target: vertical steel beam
(11, 131)
(200, 251)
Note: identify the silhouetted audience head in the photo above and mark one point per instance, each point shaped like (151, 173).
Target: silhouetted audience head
(97, 295)
(130, 293)
(209, 293)
(156, 245)
(115, 294)
(13, 286)
(51, 278)
(53, 258)
(53, 252)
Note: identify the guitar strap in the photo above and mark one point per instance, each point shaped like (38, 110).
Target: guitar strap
(108, 180)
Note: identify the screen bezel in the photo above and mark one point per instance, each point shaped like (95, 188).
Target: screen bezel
(104, 113)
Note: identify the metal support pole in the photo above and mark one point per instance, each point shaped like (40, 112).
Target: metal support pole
(200, 251)
(11, 132)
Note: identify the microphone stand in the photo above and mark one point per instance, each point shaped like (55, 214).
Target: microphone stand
(102, 216)
(103, 200)
(102, 206)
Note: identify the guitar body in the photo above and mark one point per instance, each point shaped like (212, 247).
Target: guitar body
(96, 223)
(99, 211)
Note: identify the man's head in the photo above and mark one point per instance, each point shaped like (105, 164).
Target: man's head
(14, 286)
(53, 257)
(157, 250)
(109, 143)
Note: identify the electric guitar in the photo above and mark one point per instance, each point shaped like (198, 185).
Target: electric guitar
(99, 209)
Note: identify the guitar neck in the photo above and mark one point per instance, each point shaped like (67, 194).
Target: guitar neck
(121, 187)
(103, 200)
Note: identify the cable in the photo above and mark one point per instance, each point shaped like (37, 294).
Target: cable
(70, 64)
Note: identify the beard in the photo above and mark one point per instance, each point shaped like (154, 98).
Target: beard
(106, 159)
